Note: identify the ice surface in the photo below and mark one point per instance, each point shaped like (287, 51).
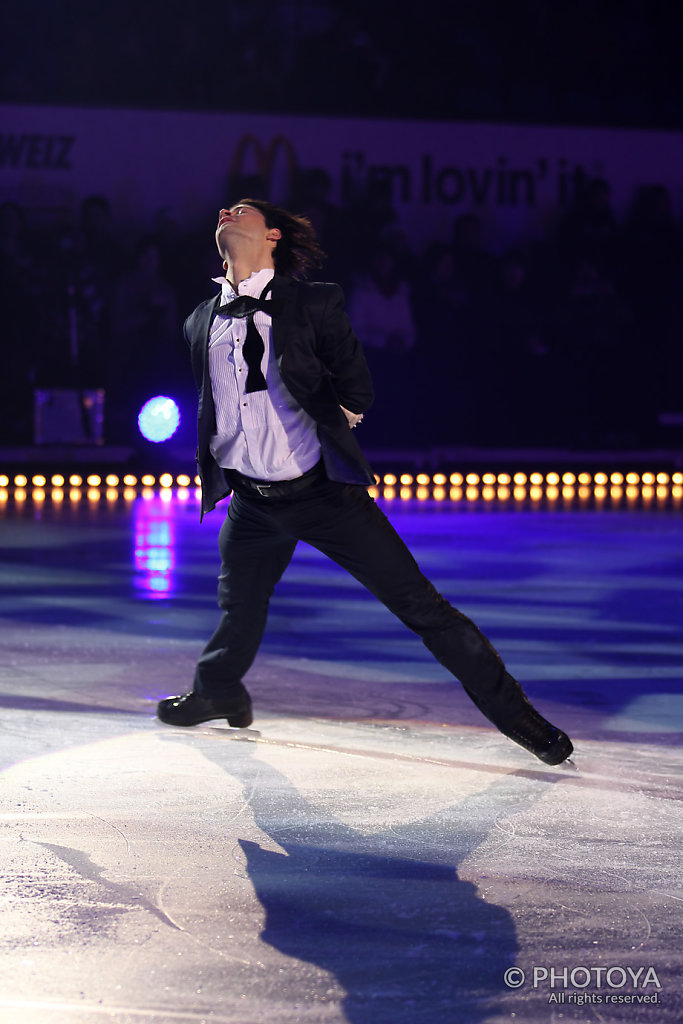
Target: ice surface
(371, 850)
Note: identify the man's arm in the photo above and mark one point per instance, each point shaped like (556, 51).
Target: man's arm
(341, 353)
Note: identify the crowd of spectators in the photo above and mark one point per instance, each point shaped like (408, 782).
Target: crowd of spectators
(571, 341)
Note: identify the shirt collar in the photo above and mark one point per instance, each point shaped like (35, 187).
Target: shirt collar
(253, 285)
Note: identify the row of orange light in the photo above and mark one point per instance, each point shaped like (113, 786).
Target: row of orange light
(535, 479)
(422, 486)
(94, 482)
(389, 479)
(166, 480)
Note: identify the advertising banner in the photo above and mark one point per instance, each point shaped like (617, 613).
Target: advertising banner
(516, 178)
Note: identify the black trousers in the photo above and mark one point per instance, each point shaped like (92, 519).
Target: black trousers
(257, 541)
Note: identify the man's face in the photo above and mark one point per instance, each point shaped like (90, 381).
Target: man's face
(240, 221)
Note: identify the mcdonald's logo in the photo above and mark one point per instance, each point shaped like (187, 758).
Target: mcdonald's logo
(265, 165)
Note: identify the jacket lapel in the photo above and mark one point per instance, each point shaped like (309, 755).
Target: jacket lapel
(197, 331)
(284, 291)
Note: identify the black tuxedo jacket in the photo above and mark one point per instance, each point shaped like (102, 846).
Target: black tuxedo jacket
(321, 363)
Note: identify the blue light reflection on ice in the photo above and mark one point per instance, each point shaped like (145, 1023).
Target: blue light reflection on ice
(154, 551)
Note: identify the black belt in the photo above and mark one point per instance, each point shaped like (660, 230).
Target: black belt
(275, 488)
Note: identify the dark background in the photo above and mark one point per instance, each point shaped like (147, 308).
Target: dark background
(571, 342)
(597, 62)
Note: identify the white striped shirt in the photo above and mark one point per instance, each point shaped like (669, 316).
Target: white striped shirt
(265, 434)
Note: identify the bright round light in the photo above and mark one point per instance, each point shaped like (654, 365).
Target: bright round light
(159, 419)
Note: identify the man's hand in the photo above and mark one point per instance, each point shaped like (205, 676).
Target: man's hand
(353, 418)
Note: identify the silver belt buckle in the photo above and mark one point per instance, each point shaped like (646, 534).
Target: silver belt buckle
(263, 489)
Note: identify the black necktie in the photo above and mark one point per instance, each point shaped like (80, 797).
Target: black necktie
(253, 348)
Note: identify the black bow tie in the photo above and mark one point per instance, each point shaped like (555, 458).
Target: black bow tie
(246, 305)
(253, 348)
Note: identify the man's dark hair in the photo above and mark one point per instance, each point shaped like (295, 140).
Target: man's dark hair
(297, 251)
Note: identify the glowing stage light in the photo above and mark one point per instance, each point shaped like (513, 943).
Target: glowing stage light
(159, 419)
